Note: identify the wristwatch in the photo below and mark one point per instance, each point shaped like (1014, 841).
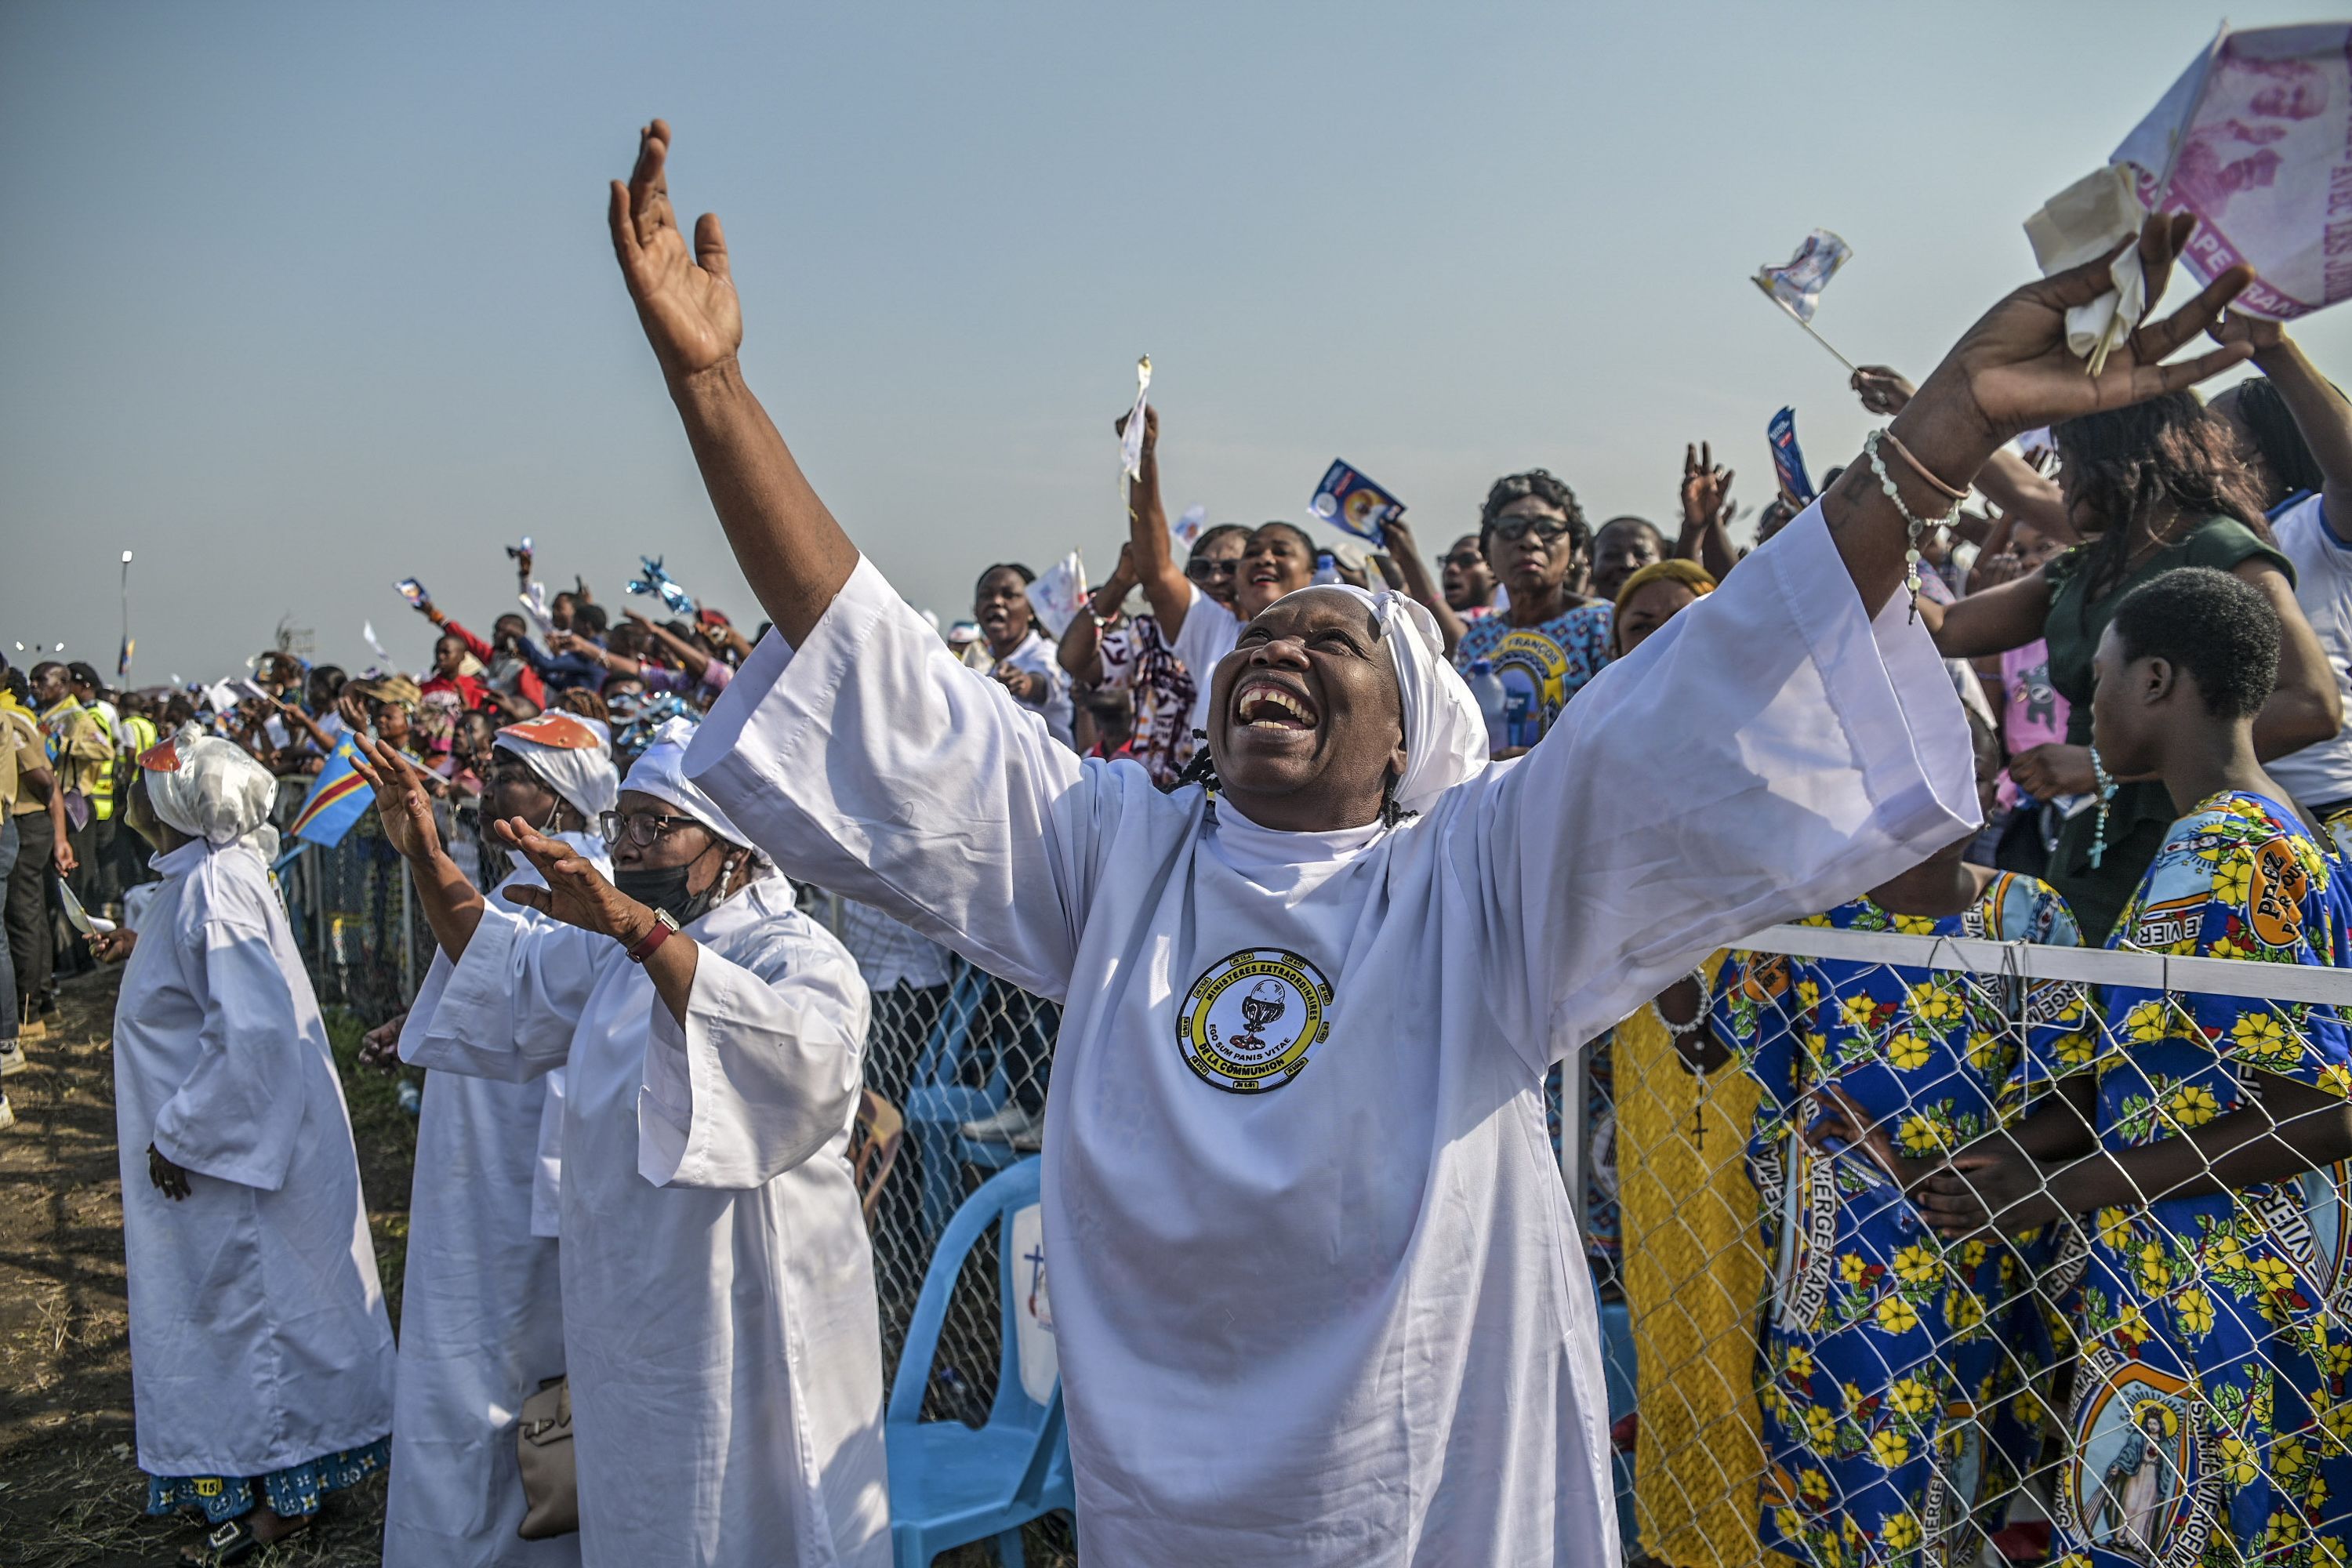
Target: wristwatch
(664, 923)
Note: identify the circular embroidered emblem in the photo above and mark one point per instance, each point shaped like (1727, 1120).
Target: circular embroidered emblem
(1251, 1019)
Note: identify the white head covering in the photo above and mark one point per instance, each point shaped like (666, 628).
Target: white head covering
(212, 789)
(660, 772)
(574, 753)
(1444, 734)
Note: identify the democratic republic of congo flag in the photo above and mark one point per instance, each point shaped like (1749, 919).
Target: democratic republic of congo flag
(339, 798)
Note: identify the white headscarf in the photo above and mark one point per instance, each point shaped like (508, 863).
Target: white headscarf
(574, 753)
(660, 772)
(212, 789)
(1444, 734)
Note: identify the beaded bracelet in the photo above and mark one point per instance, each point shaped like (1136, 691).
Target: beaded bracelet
(1914, 524)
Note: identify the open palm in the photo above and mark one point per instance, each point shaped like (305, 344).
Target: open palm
(402, 804)
(2014, 365)
(575, 893)
(686, 299)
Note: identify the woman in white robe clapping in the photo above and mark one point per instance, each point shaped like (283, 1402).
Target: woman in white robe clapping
(719, 1329)
(481, 1304)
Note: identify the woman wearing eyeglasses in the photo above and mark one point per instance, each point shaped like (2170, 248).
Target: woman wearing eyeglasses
(720, 1333)
(1550, 638)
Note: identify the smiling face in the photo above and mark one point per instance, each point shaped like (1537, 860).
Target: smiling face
(1278, 559)
(1305, 720)
(1463, 573)
(1529, 545)
(1000, 606)
(1215, 567)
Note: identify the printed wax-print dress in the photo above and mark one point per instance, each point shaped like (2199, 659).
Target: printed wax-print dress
(1541, 665)
(2212, 1419)
(1894, 1370)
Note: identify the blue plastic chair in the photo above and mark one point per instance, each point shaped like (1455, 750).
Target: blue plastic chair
(948, 1483)
(939, 1102)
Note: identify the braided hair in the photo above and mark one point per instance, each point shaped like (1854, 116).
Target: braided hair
(1202, 771)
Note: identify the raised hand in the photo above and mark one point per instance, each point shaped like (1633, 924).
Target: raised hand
(1884, 392)
(575, 893)
(401, 802)
(2235, 326)
(1705, 487)
(2012, 371)
(686, 300)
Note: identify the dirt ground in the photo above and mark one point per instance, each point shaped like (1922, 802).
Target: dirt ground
(70, 1494)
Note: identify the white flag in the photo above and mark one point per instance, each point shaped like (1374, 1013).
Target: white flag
(1797, 286)
(1056, 595)
(2255, 138)
(1131, 435)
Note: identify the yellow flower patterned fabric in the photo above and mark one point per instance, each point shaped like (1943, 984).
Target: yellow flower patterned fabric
(2216, 1330)
(1893, 1383)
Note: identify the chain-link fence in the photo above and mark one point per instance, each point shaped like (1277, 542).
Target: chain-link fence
(1821, 1351)
(1817, 1351)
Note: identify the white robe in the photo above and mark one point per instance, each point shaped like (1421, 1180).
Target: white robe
(1348, 1320)
(258, 1337)
(481, 1305)
(723, 1344)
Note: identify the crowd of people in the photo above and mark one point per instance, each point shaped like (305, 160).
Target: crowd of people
(1348, 899)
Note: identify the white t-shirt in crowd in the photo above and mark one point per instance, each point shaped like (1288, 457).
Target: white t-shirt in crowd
(2320, 774)
(1209, 633)
(1036, 656)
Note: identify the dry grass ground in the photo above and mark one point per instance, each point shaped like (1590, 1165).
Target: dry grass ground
(70, 1494)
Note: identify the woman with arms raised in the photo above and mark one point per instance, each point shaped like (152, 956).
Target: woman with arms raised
(1316, 1283)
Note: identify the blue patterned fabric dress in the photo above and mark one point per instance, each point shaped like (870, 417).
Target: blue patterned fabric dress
(2211, 1420)
(1895, 1366)
(294, 1490)
(1541, 665)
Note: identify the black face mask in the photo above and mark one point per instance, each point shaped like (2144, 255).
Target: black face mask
(665, 888)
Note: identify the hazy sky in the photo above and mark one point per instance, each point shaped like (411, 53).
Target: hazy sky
(303, 299)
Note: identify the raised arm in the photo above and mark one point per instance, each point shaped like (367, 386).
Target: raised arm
(1080, 652)
(452, 906)
(792, 552)
(2010, 372)
(2016, 486)
(691, 659)
(2321, 412)
(2305, 706)
(1152, 551)
(1707, 511)
(1418, 582)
